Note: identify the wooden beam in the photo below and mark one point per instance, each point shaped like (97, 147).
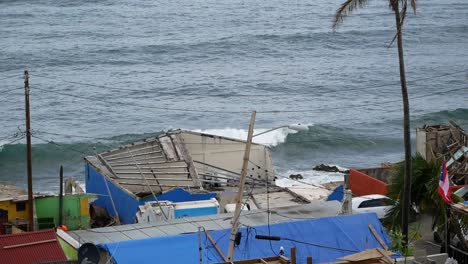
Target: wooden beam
(237, 212)
(30, 244)
(376, 235)
(293, 255)
(385, 256)
(220, 252)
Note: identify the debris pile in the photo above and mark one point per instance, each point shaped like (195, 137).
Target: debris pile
(446, 142)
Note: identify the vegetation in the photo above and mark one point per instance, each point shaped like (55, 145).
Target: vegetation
(424, 195)
(397, 240)
(400, 14)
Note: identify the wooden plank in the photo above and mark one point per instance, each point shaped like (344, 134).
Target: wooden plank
(385, 255)
(220, 252)
(376, 235)
(30, 243)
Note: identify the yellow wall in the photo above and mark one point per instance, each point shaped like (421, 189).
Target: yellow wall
(11, 208)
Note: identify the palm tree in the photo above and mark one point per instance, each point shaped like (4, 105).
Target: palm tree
(400, 14)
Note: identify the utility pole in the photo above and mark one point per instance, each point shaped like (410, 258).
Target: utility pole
(237, 212)
(29, 152)
(60, 220)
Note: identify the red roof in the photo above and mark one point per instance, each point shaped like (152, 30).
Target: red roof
(31, 247)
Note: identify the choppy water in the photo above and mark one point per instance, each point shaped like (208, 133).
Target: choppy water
(116, 71)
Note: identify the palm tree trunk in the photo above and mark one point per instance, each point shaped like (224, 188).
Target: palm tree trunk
(406, 127)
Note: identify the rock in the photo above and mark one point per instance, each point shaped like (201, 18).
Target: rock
(296, 177)
(327, 168)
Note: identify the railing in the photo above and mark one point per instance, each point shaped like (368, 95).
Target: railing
(458, 254)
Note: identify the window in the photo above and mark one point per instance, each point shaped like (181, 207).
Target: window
(368, 203)
(376, 203)
(21, 206)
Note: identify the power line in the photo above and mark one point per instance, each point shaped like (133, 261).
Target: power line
(10, 76)
(14, 140)
(319, 246)
(244, 95)
(10, 90)
(70, 135)
(142, 106)
(59, 145)
(312, 110)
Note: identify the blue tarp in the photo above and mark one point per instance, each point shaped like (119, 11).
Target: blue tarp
(126, 203)
(345, 233)
(337, 194)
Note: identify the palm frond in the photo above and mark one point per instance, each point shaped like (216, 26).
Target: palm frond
(413, 5)
(424, 183)
(404, 4)
(346, 8)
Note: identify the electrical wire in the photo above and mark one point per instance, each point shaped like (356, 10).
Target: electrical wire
(198, 143)
(14, 140)
(147, 184)
(70, 135)
(320, 246)
(59, 145)
(268, 215)
(10, 90)
(310, 110)
(140, 105)
(310, 184)
(258, 166)
(244, 95)
(9, 77)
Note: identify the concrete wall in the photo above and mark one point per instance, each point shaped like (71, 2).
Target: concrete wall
(227, 154)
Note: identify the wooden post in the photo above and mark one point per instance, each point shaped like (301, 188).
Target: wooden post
(309, 260)
(28, 153)
(447, 229)
(293, 255)
(60, 220)
(220, 252)
(200, 245)
(346, 181)
(237, 212)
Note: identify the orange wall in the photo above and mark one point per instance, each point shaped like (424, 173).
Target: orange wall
(363, 184)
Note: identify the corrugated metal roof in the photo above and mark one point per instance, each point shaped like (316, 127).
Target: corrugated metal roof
(159, 164)
(316, 209)
(31, 247)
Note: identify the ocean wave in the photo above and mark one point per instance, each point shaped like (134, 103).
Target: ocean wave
(459, 116)
(273, 138)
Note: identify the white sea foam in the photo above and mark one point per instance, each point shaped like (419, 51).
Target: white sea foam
(310, 177)
(272, 138)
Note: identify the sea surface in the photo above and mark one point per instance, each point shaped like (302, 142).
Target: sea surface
(108, 72)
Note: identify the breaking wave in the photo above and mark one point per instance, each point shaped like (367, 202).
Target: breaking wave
(459, 116)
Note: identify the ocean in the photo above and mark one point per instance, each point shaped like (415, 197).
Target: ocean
(105, 73)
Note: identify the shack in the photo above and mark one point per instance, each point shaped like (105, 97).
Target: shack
(13, 208)
(176, 166)
(75, 212)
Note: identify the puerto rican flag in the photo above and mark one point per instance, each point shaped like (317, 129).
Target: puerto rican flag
(444, 184)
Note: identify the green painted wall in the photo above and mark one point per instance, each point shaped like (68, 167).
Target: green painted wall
(75, 211)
